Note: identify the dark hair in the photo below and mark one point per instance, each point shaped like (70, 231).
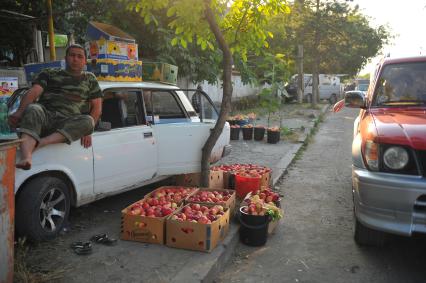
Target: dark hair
(74, 45)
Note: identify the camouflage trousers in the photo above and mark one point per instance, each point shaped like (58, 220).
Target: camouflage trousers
(38, 122)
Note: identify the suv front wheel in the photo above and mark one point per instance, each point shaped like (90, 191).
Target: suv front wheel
(365, 236)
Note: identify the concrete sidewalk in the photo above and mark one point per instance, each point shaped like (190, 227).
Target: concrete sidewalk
(139, 262)
(276, 156)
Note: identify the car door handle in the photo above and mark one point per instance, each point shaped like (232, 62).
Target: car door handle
(147, 135)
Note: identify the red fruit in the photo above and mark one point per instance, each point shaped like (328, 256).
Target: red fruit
(204, 208)
(213, 210)
(203, 220)
(166, 211)
(187, 210)
(150, 211)
(157, 212)
(195, 206)
(211, 217)
(145, 205)
(135, 211)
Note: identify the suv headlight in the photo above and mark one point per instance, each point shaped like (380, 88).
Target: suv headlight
(396, 157)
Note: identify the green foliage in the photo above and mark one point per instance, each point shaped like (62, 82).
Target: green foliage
(244, 23)
(346, 39)
(269, 101)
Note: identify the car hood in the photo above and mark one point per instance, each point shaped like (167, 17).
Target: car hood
(404, 127)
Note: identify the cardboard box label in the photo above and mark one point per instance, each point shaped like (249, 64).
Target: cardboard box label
(108, 49)
(116, 70)
(7, 86)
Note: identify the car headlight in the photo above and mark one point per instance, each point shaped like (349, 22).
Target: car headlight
(396, 157)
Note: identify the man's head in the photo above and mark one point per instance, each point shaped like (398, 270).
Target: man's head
(75, 57)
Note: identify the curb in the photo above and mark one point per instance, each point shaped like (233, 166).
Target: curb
(213, 263)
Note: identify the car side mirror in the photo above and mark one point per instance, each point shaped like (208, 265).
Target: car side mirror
(103, 126)
(354, 100)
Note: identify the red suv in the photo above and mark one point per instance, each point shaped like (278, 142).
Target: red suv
(389, 152)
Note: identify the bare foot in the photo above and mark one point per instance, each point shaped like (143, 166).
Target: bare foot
(24, 165)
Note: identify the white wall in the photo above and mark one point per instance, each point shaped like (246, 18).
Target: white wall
(215, 91)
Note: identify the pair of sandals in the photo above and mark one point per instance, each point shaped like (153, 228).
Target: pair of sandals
(85, 248)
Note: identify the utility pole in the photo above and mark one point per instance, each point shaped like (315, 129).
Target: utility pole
(315, 71)
(300, 77)
(51, 31)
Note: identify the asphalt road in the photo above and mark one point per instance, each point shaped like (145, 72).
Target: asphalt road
(314, 242)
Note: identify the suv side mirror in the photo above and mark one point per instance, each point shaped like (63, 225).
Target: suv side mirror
(354, 100)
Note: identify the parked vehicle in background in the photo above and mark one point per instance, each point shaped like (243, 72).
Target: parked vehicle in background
(389, 152)
(362, 84)
(329, 87)
(147, 132)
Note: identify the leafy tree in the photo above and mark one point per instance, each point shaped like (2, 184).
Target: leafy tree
(236, 27)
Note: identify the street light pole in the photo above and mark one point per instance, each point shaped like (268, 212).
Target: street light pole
(51, 31)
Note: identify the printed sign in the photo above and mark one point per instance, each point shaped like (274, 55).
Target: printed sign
(7, 86)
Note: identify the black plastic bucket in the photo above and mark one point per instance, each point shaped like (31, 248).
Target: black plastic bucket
(259, 133)
(247, 134)
(235, 133)
(273, 136)
(253, 229)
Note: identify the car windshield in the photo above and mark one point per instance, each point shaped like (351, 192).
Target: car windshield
(401, 85)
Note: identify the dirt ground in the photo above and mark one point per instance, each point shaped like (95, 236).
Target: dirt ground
(314, 241)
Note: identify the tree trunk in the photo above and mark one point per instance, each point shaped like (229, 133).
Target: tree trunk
(226, 98)
(300, 77)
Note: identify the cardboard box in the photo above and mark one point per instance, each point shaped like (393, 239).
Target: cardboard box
(160, 72)
(116, 70)
(272, 226)
(265, 181)
(108, 49)
(230, 203)
(32, 70)
(142, 228)
(193, 180)
(196, 236)
(96, 31)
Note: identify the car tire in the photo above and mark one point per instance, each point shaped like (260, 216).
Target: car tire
(332, 99)
(42, 208)
(365, 236)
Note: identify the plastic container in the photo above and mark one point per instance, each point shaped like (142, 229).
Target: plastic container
(247, 134)
(253, 228)
(242, 122)
(235, 134)
(273, 136)
(244, 185)
(259, 134)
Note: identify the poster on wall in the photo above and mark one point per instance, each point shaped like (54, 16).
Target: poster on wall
(7, 86)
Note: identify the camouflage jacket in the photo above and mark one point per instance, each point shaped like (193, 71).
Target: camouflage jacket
(65, 93)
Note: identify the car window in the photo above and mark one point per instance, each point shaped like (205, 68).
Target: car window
(162, 105)
(203, 106)
(401, 84)
(121, 108)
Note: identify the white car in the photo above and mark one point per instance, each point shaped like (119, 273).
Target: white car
(148, 132)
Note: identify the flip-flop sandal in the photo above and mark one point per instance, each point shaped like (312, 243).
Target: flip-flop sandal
(103, 239)
(82, 248)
